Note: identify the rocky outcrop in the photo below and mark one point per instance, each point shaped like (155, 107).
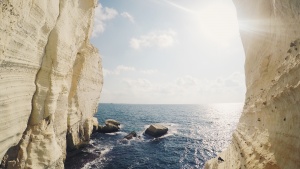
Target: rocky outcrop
(156, 130)
(130, 135)
(112, 121)
(108, 128)
(267, 135)
(111, 126)
(50, 80)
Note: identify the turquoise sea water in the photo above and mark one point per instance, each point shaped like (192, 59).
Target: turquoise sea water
(196, 134)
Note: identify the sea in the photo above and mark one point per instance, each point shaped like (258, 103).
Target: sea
(196, 134)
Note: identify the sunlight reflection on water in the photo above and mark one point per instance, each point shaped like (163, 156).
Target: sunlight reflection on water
(197, 133)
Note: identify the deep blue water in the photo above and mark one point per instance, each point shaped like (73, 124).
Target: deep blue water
(196, 134)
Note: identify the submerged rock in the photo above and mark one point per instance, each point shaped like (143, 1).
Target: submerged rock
(131, 135)
(156, 130)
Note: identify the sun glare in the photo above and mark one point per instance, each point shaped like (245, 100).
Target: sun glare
(218, 22)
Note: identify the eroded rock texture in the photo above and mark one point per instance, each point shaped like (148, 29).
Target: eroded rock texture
(50, 80)
(268, 133)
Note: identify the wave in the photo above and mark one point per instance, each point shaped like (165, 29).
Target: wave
(97, 163)
(116, 133)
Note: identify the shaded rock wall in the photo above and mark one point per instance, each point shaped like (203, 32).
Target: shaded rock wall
(268, 132)
(50, 80)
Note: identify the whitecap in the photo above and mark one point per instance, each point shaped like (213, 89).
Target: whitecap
(104, 151)
(111, 134)
(121, 126)
(121, 133)
(99, 161)
(116, 133)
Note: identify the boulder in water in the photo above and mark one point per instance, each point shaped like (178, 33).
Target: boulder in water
(112, 121)
(131, 135)
(156, 130)
(108, 128)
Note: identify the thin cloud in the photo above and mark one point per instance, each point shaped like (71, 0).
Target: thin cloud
(161, 39)
(102, 15)
(139, 84)
(105, 72)
(149, 72)
(187, 81)
(119, 69)
(128, 16)
(185, 89)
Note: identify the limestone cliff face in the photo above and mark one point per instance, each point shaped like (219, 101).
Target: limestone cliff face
(268, 133)
(50, 80)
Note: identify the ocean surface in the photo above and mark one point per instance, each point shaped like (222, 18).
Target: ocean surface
(196, 134)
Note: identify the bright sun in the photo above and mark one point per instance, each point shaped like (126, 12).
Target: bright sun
(218, 22)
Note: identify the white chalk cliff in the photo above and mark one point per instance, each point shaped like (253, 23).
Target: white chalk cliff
(50, 80)
(268, 133)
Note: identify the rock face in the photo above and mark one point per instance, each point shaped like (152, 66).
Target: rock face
(50, 80)
(267, 135)
(156, 130)
(95, 124)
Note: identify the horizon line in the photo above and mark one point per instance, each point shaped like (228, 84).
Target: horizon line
(172, 103)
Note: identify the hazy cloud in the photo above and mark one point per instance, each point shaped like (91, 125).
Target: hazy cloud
(101, 16)
(161, 39)
(187, 89)
(236, 79)
(105, 72)
(119, 69)
(127, 16)
(139, 84)
(149, 72)
(187, 81)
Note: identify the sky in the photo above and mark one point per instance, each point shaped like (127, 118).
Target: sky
(169, 51)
